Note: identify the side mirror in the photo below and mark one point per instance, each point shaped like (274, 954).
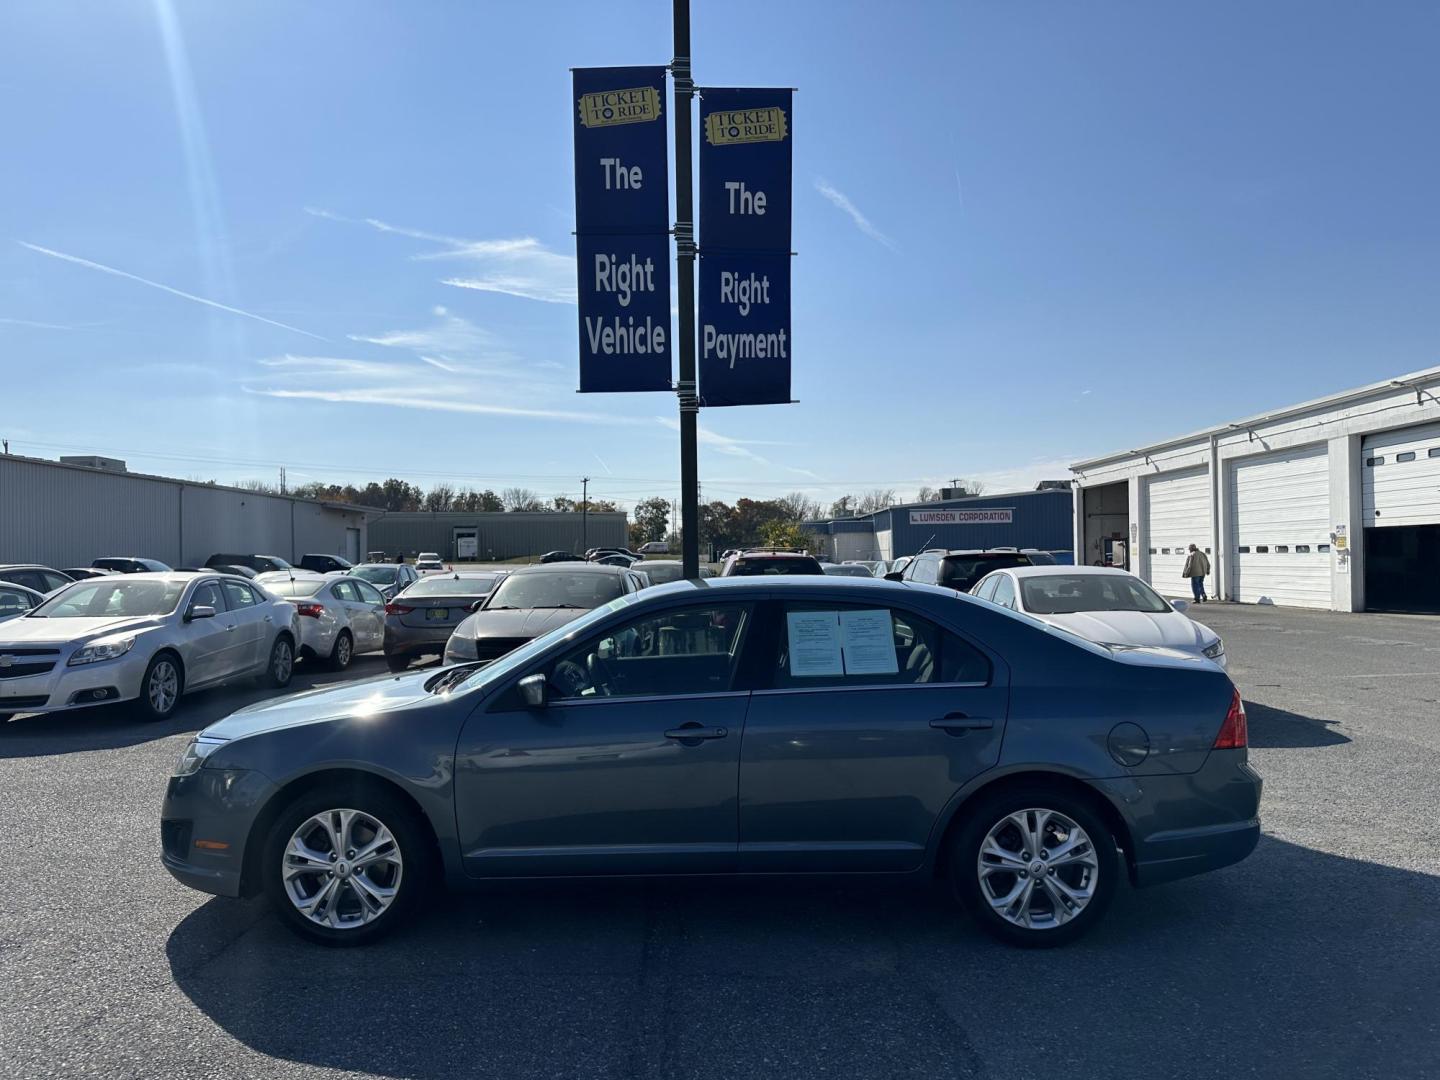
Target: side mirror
(532, 691)
(478, 604)
(200, 611)
(895, 575)
(1181, 606)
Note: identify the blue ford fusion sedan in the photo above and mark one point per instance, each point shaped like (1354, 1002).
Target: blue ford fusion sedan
(735, 725)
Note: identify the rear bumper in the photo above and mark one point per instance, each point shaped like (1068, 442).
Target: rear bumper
(1189, 824)
(414, 641)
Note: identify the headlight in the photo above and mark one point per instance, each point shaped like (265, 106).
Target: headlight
(459, 650)
(103, 650)
(195, 753)
(1214, 649)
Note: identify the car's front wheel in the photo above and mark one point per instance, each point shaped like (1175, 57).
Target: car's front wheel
(160, 687)
(1036, 868)
(344, 866)
(282, 663)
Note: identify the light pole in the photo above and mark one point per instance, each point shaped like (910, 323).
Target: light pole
(585, 513)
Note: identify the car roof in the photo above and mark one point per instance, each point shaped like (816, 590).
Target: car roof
(171, 575)
(24, 566)
(568, 568)
(1069, 571)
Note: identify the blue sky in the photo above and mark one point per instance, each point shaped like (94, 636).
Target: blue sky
(1027, 233)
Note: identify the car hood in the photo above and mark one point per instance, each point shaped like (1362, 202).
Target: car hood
(384, 693)
(524, 623)
(62, 631)
(1169, 628)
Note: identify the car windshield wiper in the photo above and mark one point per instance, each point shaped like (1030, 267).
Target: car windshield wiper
(502, 607)
(455, 676)
(553, 607)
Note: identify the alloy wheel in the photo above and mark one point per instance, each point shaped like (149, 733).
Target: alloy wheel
(281, 660)
(1038, 869)
(163, 687)
(342, 869)
(343, 651)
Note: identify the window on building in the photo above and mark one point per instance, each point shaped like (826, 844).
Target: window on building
(1262, 549)
(1408, 455)
(1324, 549)
(1302, 549)
(1164, 551)
(1243, 549)
(1434, 451)
(1372, 461)
(1154, 551)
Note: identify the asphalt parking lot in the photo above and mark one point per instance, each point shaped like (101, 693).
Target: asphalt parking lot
(1317, 957)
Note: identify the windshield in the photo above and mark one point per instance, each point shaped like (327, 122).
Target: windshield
(298, 587)
(573, 589)
(470, 585)
(110, 598)
(662, 572)
(962, 571)
(1065, 594)
(376, 575)
(840, 570)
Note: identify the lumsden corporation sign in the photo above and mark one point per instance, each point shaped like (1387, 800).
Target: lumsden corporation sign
(962, 517)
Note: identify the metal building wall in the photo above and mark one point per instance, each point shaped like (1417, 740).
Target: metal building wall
(501, 535)
(62, 515)
(1042, 519)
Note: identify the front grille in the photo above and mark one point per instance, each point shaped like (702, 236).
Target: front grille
(17, 663)
(175, 838)
(494, 648)
(20, 704)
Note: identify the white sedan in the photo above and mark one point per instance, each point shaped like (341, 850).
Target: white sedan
(1103, 604)
(340, 615)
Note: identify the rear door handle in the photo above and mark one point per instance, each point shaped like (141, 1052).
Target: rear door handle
(688, 732)
(958, 721)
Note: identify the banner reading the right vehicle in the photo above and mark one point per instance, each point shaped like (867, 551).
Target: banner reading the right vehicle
(745, 200)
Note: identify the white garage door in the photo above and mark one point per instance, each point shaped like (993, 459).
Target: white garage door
(1178, 510)
(1280, 529)
(1401, 477)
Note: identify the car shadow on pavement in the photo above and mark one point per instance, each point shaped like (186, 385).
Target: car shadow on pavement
(1273, 729)
(1263, 969)
(106, 727)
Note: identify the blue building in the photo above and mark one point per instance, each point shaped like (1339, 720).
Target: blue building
(1043, 518)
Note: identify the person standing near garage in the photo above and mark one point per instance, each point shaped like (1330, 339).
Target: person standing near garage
(1197, 566)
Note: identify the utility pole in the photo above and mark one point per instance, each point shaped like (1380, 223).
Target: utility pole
(686, 390)
(585, 513)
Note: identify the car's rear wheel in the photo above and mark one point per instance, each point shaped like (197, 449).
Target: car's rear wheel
(1036, 868)
(397, 663)
(344, 866)
(160, 688)
(282, 663)
(343, 651)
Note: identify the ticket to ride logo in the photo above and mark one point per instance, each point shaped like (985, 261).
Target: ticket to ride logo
(729, 127)
(606, 108)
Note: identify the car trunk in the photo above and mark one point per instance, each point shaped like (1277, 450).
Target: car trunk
(435, 611)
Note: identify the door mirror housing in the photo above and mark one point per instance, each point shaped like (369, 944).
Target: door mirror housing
(478, 604)
(200, 611)
(532, 691)
(1181, 606)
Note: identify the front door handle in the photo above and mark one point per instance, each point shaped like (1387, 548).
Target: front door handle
(958, 721)
(691, 734)
(230, 629)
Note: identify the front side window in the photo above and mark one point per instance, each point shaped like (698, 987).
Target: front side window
(684, 651)
(112, 598)
(825, 645)
(207, 595)
(1064, 594)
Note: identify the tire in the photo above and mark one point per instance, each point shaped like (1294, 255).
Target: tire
(363, 903)
(281, 665)
(1075, 891)
(397, 663)
(343, 651)
(160, 688)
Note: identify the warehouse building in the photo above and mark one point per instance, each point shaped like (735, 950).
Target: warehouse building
(1019, 519)
(484, 536)
(66, 513)
(1332, 503)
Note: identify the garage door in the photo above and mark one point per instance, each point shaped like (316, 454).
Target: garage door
(1401, 509)
(1401, 477)
(1178, 511)
(1280, 529)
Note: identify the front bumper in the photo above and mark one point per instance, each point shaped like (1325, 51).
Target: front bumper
(1184, 825)
(65, 687)
(205, 826)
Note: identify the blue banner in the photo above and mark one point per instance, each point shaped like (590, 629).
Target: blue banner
(745, 343)
(745, 166)
(745, 201)
(622, 227)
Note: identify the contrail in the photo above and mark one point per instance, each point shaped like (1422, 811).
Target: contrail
(165, 288)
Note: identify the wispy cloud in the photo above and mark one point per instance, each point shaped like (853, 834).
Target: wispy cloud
(30, 323)
(736, 448)
(88, 264)
(601, 460)
(412, 400)
(516, 266)
(843, 203)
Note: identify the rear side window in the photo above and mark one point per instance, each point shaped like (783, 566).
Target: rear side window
(240, 595)
(345, 590)
(13, 602)
(1004, 594)
(839, 645)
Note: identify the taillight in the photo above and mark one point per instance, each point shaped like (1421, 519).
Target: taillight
(313, 611)
(1234, 733)
(397, 609)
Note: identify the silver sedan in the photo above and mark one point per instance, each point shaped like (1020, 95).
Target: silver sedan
(340, 615)
(16, 600)
(146, 638)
